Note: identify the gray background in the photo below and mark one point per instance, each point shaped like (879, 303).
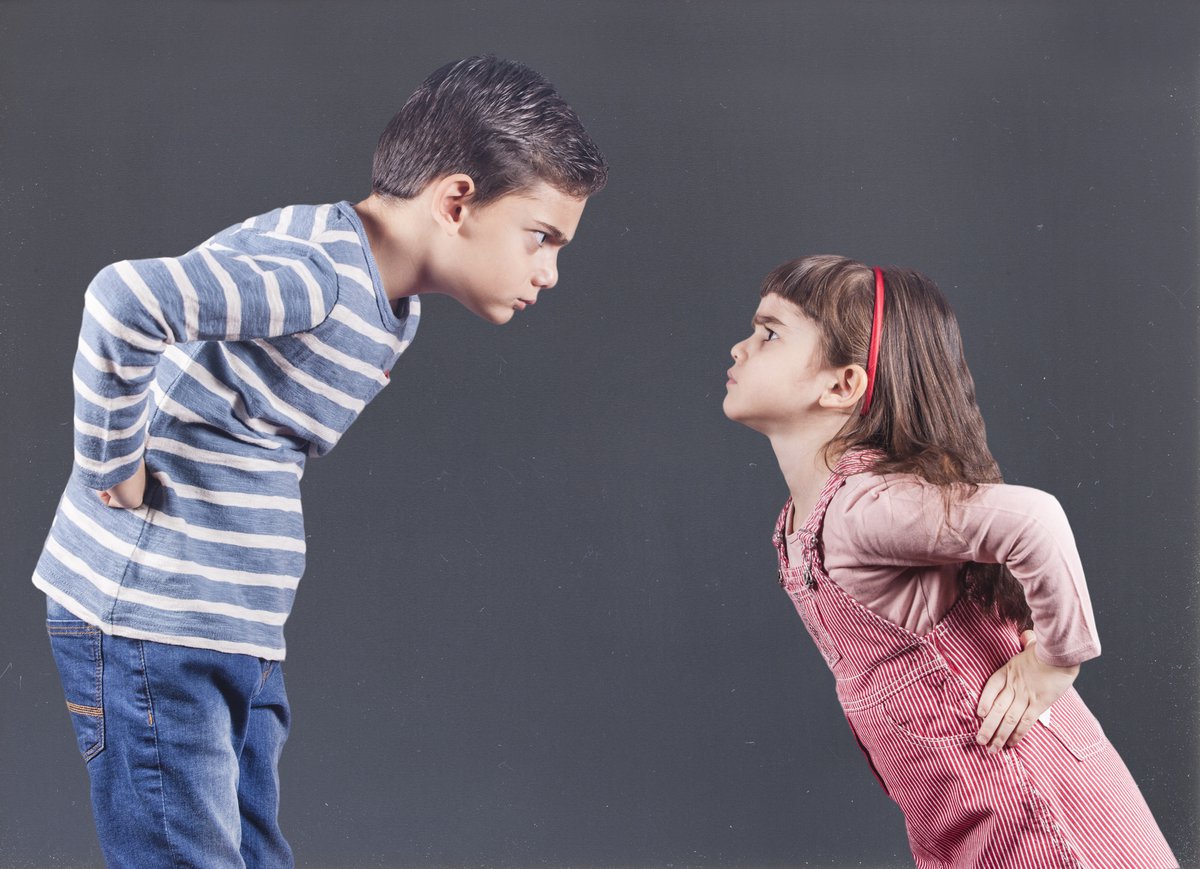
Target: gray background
(540, 624)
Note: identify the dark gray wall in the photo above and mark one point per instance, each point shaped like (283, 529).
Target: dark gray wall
(540, 624)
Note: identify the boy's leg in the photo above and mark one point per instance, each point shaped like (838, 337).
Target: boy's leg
(258, 785)
(157, 725)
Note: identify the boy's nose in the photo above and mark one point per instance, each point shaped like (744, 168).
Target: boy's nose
(546, 277)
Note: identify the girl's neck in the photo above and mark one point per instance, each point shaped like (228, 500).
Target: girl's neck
(801, 457)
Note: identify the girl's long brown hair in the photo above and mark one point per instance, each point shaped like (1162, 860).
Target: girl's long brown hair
(923, 413)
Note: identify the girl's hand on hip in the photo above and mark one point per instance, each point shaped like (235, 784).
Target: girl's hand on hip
(1017, 694)
(128, 493)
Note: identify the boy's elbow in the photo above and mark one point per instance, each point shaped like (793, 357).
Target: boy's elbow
(105, 284)
(108, 293)
(118, 306)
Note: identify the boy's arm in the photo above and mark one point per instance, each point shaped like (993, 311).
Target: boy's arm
(241, 284)
(901, 520)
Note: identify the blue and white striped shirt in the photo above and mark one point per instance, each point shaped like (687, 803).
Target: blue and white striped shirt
(226, 368)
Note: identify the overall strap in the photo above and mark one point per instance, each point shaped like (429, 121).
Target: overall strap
(779, 537)
(851, 462)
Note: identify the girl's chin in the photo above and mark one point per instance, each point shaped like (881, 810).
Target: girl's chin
(732, 413)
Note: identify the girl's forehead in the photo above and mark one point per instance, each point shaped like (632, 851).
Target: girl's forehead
(774, 305)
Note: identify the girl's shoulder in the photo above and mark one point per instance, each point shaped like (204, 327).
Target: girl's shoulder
(906, 500)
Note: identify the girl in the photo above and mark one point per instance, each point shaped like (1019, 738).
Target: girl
(918, 574)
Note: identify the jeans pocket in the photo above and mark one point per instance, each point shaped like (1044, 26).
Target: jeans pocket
(76, 647)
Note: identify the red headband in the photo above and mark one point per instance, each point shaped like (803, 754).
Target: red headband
(873, 351)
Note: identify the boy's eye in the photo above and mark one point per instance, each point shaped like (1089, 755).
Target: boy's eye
(540, 236)
(771, 336)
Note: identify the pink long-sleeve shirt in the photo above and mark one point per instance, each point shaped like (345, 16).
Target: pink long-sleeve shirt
(888, 544)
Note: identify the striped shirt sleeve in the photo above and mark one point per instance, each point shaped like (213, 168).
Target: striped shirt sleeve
(243, 283)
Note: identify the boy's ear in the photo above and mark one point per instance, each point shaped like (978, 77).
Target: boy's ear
(844, 388)
(450, 201)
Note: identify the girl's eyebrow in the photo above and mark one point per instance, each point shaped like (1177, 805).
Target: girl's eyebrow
(767, 320)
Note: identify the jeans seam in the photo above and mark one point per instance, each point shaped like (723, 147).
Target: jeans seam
(98, 645)
(162, 791)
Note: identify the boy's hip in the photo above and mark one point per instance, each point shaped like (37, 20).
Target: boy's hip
(152, 603)
(166, 733)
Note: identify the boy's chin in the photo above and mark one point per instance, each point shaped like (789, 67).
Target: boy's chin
(495, 314)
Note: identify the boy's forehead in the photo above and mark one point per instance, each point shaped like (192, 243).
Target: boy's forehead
(539, 192)
(548, 204)
(542, 195)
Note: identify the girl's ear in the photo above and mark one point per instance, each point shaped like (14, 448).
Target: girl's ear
(844, 388)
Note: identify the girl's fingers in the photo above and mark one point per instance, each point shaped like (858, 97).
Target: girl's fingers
(995, 717)
(991, 690)
(1026, 722)
(1008, 724)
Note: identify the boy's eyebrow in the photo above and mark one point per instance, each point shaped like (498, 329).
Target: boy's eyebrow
(554, 232)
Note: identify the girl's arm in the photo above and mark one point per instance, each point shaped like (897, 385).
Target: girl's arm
(900, 520)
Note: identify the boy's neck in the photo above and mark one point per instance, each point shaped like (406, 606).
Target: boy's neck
(398, 240)
(801, 457)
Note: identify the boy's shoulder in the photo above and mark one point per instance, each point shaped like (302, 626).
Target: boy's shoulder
(315, 224)
(330, 242)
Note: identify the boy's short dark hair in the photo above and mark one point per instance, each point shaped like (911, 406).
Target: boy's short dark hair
(497, 121)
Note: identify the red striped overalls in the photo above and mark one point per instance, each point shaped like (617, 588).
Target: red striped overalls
(1061, 797)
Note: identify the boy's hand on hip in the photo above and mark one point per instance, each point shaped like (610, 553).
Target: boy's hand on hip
(128, 493)
(1017, 694)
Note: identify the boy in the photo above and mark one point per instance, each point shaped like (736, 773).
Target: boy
(202, 384)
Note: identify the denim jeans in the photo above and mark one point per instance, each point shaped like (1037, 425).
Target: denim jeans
(182, 747)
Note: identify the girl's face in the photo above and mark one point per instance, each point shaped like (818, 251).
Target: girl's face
(777, 377)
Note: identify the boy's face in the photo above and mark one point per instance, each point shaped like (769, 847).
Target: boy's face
(506, 252)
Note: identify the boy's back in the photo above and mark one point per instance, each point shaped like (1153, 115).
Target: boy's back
(304, 337)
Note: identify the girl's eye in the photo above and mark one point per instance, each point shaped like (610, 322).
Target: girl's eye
(771, 336)
(540, 236)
